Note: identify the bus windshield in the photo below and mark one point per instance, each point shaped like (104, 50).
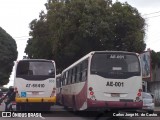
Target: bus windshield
(115, 65)
(34, 69)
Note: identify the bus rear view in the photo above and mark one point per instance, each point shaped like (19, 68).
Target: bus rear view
(35, 84)
(115, 81)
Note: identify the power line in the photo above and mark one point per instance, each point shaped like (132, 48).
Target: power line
(21, 36)
(22, 40)
(153, 42)
(152, 17)
(151, 13)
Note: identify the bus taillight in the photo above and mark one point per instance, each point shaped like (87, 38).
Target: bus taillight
(16, 91)
(92, 96)
(140, 90)
(138, 94)
(90, 88)
(91, 93)
(53, 92)
(54, 89)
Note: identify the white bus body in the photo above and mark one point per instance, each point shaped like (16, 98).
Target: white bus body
(58, 89)
(103, 80)
(35, 84)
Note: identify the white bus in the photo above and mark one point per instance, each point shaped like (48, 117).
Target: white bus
(58, 89)
(103, 80)
(35, 84)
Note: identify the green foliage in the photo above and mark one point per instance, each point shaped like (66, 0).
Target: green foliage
(128, 28)
(4, 89)
(8, 54)
(39, 46)
(72, 28)
(155, 59)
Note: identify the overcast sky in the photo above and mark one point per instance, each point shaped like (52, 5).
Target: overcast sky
(145, 7)
(15, 16)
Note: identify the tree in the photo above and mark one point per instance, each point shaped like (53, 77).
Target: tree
(128, 28)
(155, 59)
(8, 53)
(39, 46)
(73, 28)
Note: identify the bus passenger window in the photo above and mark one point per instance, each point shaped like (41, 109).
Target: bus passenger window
(69, 77)
(64, 79)
(78, 74)
(84, 70)
(73, 75)
(80, 77)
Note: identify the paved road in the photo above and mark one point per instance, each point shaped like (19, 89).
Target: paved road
(59, 113)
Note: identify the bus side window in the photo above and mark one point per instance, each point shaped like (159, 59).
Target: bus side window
(60, 83)
(84, 70)
(78, 73)
(69, 78)
(80, 77)
(73, 75)
(64, 79)
(57, 83)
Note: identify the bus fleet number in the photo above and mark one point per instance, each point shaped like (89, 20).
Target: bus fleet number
(35, 85)
(116, 84)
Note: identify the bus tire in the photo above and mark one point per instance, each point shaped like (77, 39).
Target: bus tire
(74, 104)
(18, 107)
(47, 108)
(65, 107)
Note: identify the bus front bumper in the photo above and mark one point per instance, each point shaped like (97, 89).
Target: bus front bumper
(38, 100)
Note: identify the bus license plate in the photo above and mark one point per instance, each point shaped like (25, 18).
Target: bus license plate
(115, 94)
(35, 93)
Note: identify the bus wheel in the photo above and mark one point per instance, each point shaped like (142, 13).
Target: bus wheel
(18, 107)
(74, 104)
(47, 108)
(65, 107)
(115, 111)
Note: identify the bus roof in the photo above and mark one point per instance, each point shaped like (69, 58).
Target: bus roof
(93, 52)
(36, 60)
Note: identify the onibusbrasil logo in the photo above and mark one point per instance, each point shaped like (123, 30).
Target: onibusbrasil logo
(18, 114)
